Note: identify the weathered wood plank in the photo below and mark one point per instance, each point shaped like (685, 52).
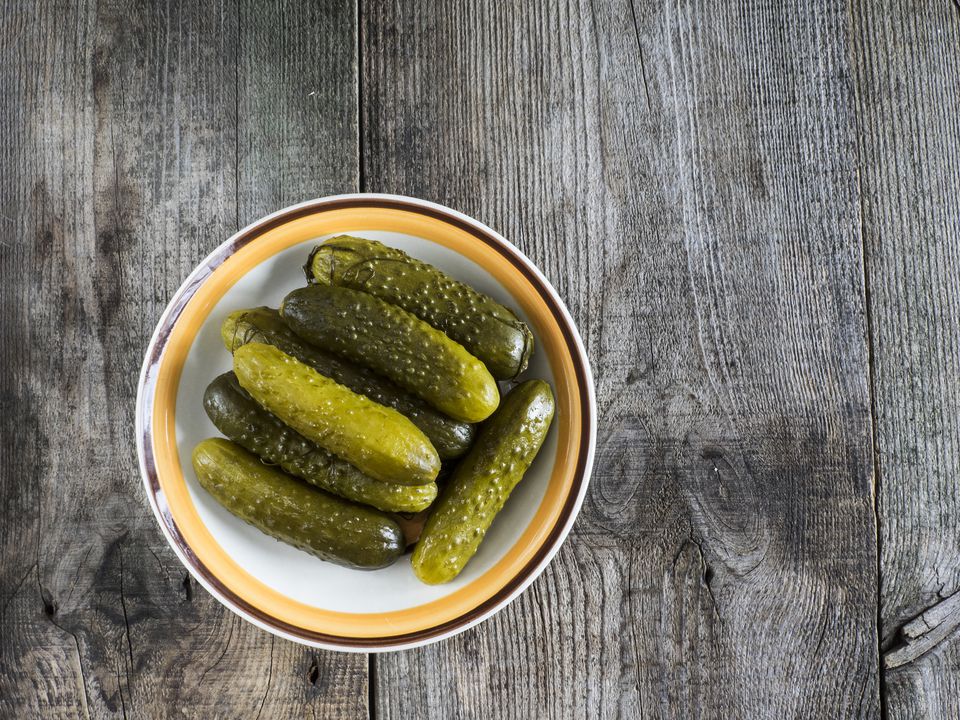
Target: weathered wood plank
(297, 104)
(685, 174)
(120, 148)
(48, 303)
(907, 58)
(296, 140)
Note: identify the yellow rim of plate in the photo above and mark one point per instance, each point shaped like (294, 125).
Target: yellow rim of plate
(224, 568)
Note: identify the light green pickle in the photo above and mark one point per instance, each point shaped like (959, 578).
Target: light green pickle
(487, 329)
(396, 344)
(242, 420)
(483, 481)
(377, 440)
(289, 510)
(450, 437)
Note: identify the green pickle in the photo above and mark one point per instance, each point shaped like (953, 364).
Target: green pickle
(289, 510)
(450, 437)
(242, 420)
(487, 329)
(483, 481)
(394, 343)
(375, 439)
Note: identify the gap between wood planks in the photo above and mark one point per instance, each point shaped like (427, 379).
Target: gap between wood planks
(361, 187)
(361, 175)
(881, 679)
(871, 394)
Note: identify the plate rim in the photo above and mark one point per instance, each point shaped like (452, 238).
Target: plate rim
(154, 356)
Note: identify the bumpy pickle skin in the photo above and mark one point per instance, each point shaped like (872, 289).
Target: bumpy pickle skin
(289, 510)
(451, 438)
(238, 416)
(375, 439)
(396, 344)
(487, 329)
(483, 481)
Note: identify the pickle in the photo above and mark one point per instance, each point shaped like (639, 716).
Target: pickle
(291, 511)
(483, 326)
(483, 481)
(450, 437)
(396, 344)
(375, 439)
(238, 416)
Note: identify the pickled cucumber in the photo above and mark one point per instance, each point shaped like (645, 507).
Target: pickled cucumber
(377, 440)
(243, 421)
(450, 437)
(483, 481)
(291, 511)
(396, 344)
(487, 329)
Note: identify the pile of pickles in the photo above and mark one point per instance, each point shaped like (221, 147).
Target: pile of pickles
(347, 403)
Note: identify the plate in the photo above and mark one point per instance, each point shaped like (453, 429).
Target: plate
(289, 592)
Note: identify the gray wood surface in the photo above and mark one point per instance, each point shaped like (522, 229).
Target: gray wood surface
(908, 87)
(751, 211)
(136, 137)
(686, 175)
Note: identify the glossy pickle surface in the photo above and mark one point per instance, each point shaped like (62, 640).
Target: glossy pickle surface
(487, 329)
(242, 420)
(376, 439)
(482, 482)
(450, 437)
(289, 510)
(396, 344)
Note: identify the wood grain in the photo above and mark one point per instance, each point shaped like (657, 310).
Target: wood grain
(135, 141)
(908, 80)
(686, 176)
(297, 104)
(722, 194)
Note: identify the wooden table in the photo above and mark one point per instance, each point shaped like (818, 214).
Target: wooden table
(751, 210)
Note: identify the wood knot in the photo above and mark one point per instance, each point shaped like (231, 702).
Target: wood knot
(49, 606)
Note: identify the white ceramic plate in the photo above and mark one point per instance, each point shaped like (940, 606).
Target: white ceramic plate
(290, 592)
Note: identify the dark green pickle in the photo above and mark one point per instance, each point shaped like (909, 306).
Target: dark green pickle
(487, 329)
(289, 510)
(394, 343)
(483, 481)
(242, 420)
(450, 437)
